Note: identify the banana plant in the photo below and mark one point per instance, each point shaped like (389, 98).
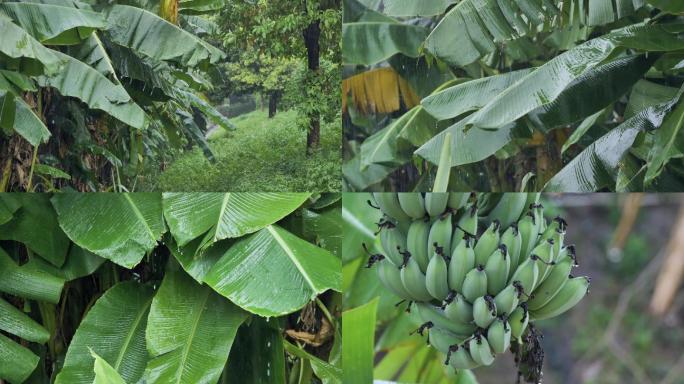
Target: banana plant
(583, 95)
(473, 272)
(160, 288)
(114, 82)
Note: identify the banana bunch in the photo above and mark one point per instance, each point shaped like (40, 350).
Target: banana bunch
(476, 268)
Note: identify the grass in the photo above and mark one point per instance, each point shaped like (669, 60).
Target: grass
(262, 155)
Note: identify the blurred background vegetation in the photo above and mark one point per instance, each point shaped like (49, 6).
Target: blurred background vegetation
(629, 329)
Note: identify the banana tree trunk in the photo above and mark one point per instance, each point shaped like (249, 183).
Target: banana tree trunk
(312, 35)
(273, 104)
(168, 10)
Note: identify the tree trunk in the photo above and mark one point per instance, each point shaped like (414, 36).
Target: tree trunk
(312, 35)
(273, 104)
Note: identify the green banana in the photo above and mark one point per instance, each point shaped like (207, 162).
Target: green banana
(417, 242)
(539, 220)
(393, 241)
(391, 278)
(512, 240)
(389, 205)
(518, 322)
(441, 339)
(428, 312)
(572, 292)
(475, 284)
(487, 243)
(459, 358)
(436, 203)
(507, 300)
(458, 200)
(440, 234)
(487, 202)
(527, 275)
(480, 351)
(497, 268)
(456, 308)
(509, 208)
(412, 204)
(484, 311)
(499, 336)
(544, 250)
(468, 221)
(528, 236)
(414, 281)
(436, 280)
(552, 285)
(462, 261)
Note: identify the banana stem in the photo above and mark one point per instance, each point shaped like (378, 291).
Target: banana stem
(325, 311)
(29, 186)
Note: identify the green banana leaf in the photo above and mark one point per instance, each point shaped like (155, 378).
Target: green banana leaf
(324, 228)
(369, 43)
(597, 166)
(359, 178)
(470, 30)
(220, 216)
(92, 51)
(19, 324)
(190, 331)
(114, 328)
(583, 128)
(273, 272)
(602, 12)
(23, 120)
(152, 36)
(6, 213)
(646, 94)
(258, 355)
(53, 24)
(403, 8)
(79, 80)
(17, 44)
(105, 373)
(547, 82)
(198, 7)
(28, 282)
(385, 146)
(16, 362)
(328, 373)
(356, 11)
(79, 263)
(671, 6)
(50, 243)
(470, 95)
(358, 341)
(121, 227)
(667, 142)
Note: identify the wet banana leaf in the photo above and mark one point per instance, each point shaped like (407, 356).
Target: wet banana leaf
(470, 30)
(355, 11)
(18, 44)
(328, 373)
(152, 36)
(16, 362)
(28, 282)
(547, 82)
(671, 6)
(582, 129)
(36, 212)
(369, 43)
(324, 228)
(647, 94)
(470, 95)
(105, 373)
(597, 166)
(444, 166)
(6, 213)
(79, 80)
(358, 340)
(23, 120)
(219, 216)
(258, 355)
(360, 179)
(121, 227)
(600, 12)
(403, 8)
(53, 24)
(273, 272)
(114, 328)
(468, 145)
(79, 263)
(17, 323)
(385, 146)
(591, 92)
(667, 143)
(190, 331)
(197, 267)
(359, 225)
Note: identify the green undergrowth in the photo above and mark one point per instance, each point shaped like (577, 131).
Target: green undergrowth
(263, 155)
